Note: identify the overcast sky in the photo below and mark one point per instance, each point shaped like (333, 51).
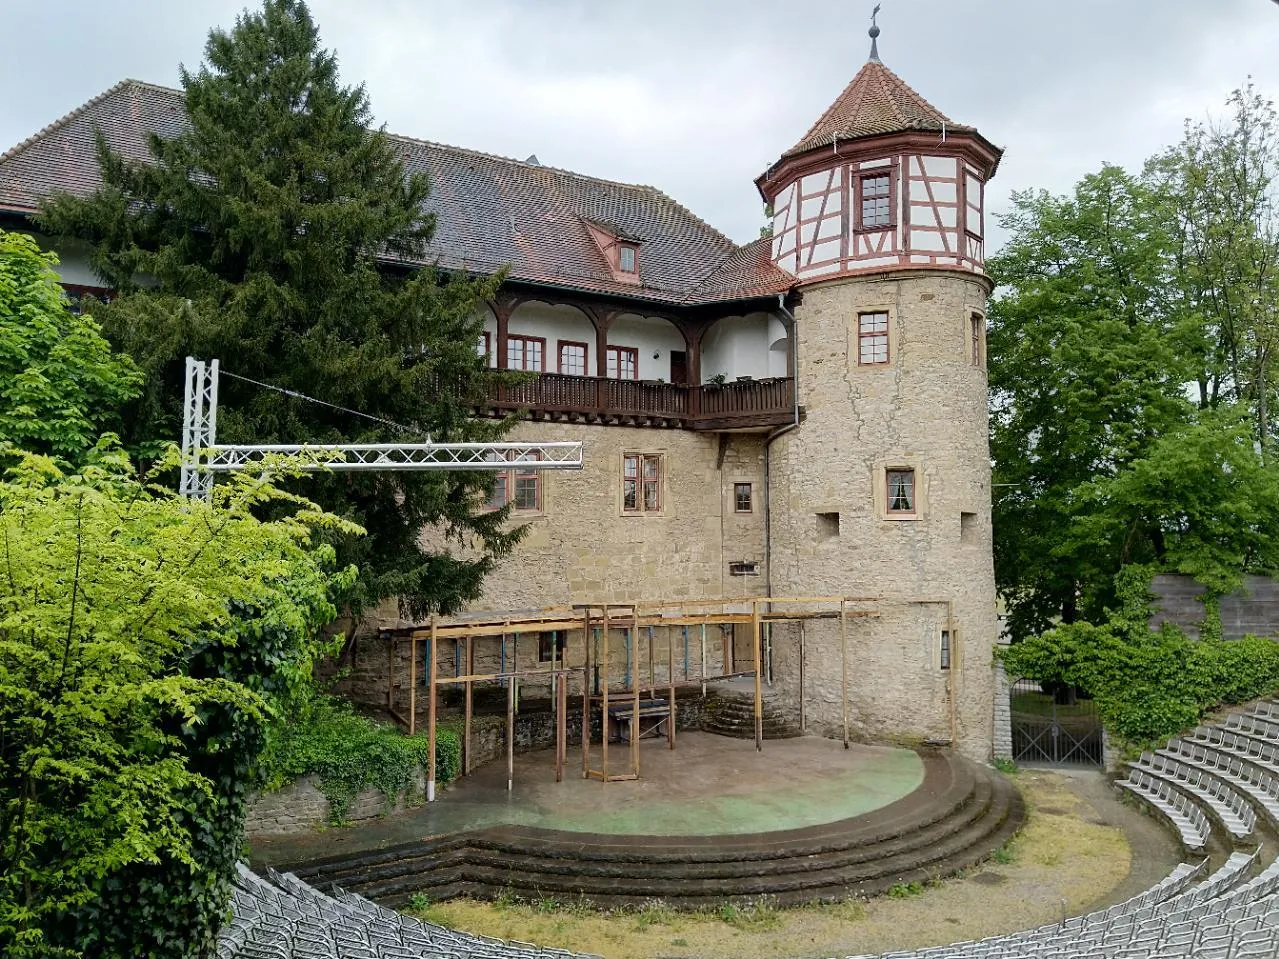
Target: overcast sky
(697, 97)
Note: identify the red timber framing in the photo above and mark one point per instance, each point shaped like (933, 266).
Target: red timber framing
(602, 397)
(936, 216)
(590, 630)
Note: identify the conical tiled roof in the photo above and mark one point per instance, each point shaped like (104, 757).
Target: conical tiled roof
(877, 102)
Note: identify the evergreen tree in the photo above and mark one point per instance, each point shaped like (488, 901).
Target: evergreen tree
(271, 233)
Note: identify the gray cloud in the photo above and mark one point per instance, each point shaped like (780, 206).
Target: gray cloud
(698, 97)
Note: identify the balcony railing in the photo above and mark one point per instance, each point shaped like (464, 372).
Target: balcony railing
(735, 405)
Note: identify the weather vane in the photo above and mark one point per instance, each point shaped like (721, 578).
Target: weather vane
(874, 33)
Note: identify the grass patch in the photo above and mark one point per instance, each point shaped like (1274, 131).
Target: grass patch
(905, 890)
(1005, 766)
(756, 917)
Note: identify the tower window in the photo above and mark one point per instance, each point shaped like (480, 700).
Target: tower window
(978, 337)
(876, 209)
(901, 492)
(827, 525)
(627, 259)
(945, 649)
(872, 339)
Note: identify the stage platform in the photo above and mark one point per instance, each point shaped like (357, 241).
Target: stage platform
(714, 820)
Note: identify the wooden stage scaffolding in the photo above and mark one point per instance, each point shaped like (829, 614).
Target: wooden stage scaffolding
(596, 622)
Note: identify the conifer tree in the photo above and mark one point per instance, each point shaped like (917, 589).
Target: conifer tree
(272, 232)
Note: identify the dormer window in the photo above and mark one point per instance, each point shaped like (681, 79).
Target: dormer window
(627, 258)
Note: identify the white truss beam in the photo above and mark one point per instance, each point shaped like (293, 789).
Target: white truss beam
(403, 456)
(202, 457)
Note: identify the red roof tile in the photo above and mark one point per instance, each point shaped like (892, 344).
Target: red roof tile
(876, 102)
(491, 211)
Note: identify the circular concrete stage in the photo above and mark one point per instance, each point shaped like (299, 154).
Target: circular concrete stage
(714, 820)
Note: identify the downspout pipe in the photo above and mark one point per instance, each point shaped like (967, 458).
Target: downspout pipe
(768, 442)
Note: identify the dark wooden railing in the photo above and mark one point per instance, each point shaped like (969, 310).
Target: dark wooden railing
(738, 404)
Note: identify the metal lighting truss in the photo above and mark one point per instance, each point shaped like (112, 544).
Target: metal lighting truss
(202, 457)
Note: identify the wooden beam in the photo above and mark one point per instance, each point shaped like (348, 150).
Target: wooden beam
(670, 676)
(803, 725)
(635, 692)
(430, 710)
(510, 733)
(467, 710)
(843, 656)
(586, 693)
(759, 687)
(412, 687)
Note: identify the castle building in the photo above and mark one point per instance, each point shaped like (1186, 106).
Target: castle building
(803, 415)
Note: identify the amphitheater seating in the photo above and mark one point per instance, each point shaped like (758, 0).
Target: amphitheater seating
(1230, 807)
(1190, 821)
(1230, 768)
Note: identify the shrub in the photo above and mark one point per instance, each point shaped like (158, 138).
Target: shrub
(323, 734)
(1147, 685)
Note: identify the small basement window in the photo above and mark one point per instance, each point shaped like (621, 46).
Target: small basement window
(743, 568)
(551, 646)
(827, 525)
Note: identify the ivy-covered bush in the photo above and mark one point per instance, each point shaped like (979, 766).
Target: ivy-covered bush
(323, 735)
(1147, 685)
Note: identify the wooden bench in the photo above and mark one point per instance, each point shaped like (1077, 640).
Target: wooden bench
(653, 716)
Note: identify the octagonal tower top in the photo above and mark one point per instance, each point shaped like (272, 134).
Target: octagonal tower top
(882, 181)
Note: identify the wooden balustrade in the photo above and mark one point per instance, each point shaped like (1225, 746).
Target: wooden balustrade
(738, 404)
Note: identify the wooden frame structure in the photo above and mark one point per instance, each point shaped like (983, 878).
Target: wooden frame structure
(595, 622)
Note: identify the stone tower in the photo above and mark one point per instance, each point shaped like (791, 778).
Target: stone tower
(882, 491)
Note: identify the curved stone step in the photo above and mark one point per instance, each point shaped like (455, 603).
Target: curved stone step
(957, 817)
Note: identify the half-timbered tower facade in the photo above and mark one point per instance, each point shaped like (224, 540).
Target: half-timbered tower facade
(801, 415)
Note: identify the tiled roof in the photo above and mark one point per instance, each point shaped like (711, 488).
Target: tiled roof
(876, 102)
(747, 273)
(490, 211)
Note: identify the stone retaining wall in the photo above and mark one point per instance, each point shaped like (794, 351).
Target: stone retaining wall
(301, 807)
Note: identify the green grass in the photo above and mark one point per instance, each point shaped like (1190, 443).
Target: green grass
(1041, 704)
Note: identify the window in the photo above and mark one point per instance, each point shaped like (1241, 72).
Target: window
(945, 649)
(901, 491)
(742, 497)
(978, 336)
(551, 646)
(827, 525)
(82, 299)
(641, 483)
(622, 363)
(520, 486)
(485, 345)
(628, 259)
(525, 353)
(572, 359)
(872, 339)
(876, 211)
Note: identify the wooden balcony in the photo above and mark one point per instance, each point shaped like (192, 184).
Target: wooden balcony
(746, 404)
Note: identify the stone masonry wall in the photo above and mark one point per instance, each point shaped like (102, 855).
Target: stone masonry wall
(925, 410)
(582, 548)
(301, 807)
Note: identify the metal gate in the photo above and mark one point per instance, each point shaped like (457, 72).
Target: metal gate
(1054, 724)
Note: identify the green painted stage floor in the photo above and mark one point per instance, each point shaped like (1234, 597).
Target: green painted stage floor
(709, 785)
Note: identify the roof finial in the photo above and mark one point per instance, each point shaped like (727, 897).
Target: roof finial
(874, 35)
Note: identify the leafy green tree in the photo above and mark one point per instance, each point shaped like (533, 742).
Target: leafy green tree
(269, 233)
(60, 385)
(1218, 198)
(140, 637)
(1087, 372)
